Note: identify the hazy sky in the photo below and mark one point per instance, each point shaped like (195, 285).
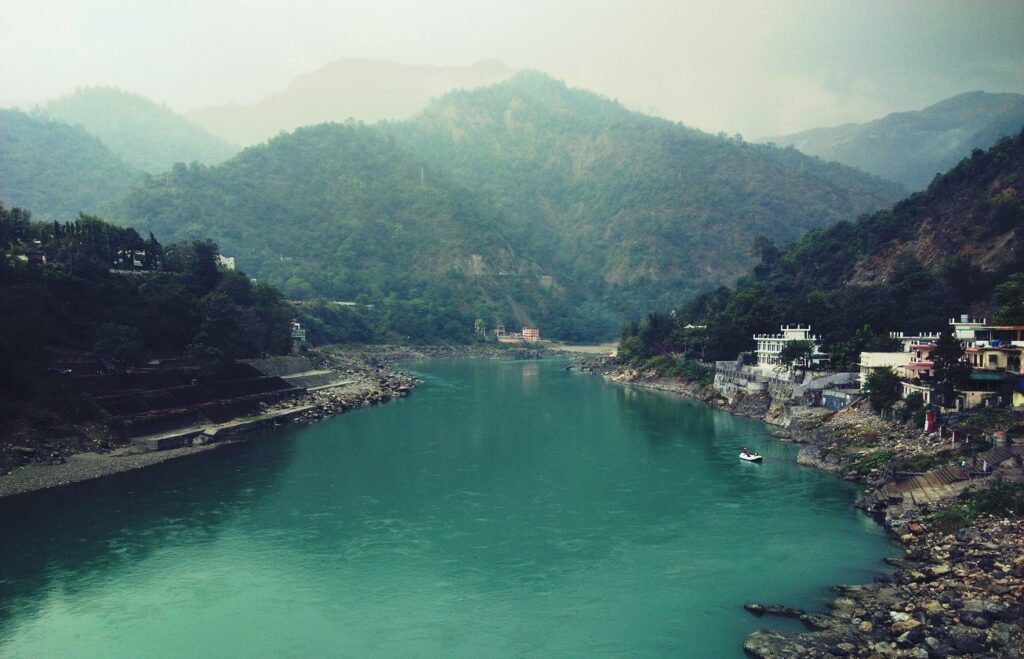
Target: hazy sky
(758, 68)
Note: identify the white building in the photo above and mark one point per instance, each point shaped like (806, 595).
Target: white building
(770, 345)
(908, 340)
(876, 361)
(965, 326)
(226, 262)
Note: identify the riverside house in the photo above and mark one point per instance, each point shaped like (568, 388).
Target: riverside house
(770, 345)
(992, 351)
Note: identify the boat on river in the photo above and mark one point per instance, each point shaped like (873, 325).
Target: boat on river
(750, 457)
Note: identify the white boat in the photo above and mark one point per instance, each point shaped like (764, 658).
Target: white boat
(750, 457)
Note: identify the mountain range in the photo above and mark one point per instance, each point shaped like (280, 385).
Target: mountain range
(912, 147)
(522, 202)
(365, 90)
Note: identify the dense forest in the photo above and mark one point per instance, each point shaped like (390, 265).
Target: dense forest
(952, 249)
(639, 209)
(56, 169)
(89, 286)
(144, 134)
(524, 203)
(343, 213)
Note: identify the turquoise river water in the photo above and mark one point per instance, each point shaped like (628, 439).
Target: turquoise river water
(504, 509)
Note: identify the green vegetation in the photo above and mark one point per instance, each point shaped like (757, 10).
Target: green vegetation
(146, 135)
(999, 498)
(640, 210)
(56, 169)
(656, 344)
(865, 463)
(343, 214)
(883, 387)
(522, 204)
(105, 289)
(855, 281)
(1010, 298)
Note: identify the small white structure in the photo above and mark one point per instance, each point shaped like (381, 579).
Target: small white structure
(226, 262)
(876, 361)
(770, 345)
(908, 340)
(965, 326)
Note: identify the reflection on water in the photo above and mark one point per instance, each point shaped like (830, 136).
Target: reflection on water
(61, 539)
(504, 509)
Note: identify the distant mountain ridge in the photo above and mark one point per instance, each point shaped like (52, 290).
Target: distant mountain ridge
(365, 90)
(58, 170)
(912, 147)
(144, 134)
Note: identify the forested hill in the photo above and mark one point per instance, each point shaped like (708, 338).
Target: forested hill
(644, 210)
(149, 136)
(56, 169)
(93, 289)
(342, 212)
(911, 147)
(525, 202)
(957, 247)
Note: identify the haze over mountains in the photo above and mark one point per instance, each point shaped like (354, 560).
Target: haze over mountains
(912, 147)
(519, 202)
(144, 134)
(57, 170)
(366, 90)
(524, 201)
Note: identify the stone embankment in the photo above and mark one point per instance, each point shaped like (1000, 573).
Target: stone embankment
(957, 592)
(345, 382)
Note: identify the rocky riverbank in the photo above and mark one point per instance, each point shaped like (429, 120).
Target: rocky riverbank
(959, 589)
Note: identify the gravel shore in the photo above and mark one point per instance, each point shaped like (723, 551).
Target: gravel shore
(86, 466)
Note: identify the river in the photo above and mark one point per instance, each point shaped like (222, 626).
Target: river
(504, 509)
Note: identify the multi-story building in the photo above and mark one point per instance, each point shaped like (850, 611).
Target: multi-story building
(770, 345)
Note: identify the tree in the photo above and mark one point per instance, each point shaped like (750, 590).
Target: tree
(796, 353)
(122, 344)
(950, 369)
(1010, 298)
(883, 387)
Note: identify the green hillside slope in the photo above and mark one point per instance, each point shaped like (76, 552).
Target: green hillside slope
(344, 213)
(56, 169)
(149, 136)
(954, 248)
(643, 209)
